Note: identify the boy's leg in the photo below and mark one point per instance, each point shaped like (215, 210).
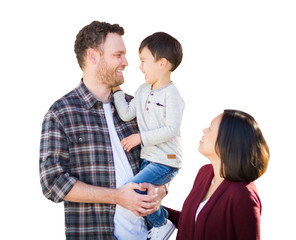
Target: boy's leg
(155, 174)
(158, 218)
(141, 176)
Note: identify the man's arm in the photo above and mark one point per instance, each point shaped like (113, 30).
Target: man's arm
(59, 185)
(140, 205)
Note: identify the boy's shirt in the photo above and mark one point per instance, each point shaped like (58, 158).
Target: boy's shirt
(159, 114)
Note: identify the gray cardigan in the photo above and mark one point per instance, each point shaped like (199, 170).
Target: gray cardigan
(159, 115)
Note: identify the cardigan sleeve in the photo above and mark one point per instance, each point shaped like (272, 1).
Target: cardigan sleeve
(246, 214)
(173, 216)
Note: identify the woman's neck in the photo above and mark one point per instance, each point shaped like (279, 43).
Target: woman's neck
(217, 171)
(217, 179)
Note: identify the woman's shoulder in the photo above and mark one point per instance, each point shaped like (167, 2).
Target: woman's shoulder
(243, 187)
(243, 192)
(206, 168)
(204, 172)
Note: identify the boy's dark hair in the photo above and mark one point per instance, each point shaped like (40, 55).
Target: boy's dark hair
(93, 36)
(241, 146)
(163, 45)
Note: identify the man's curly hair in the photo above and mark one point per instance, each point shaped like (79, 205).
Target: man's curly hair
(93, 36)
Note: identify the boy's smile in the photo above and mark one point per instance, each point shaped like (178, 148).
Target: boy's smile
(149, 67)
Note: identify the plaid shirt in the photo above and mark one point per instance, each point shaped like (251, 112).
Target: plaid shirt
(75, 145)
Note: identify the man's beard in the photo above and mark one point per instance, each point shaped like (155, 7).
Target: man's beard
(108, 76)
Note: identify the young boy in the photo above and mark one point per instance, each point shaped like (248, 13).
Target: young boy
(158, 108)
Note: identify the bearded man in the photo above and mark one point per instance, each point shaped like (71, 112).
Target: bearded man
(82, 162)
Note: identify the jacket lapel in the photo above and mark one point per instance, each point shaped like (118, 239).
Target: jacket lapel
(201, 222)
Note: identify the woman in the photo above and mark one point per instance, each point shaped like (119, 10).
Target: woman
(224, 203)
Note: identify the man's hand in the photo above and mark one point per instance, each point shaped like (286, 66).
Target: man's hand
(140, 205)
(159, 192)
(131, 141)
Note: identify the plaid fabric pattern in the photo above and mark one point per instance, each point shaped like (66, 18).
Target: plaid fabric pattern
(75, 145)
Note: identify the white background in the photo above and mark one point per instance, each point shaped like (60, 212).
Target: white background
(237, 54)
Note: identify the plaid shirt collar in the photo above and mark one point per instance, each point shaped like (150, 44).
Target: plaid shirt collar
(88, 98)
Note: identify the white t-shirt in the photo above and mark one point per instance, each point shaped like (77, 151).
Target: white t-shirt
(200, 207)
(127, 224)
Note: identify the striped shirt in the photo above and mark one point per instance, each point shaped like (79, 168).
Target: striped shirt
(75, 145)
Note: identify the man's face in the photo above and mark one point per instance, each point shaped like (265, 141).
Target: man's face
(112, 61)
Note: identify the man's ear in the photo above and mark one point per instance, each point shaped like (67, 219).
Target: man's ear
(92, 55)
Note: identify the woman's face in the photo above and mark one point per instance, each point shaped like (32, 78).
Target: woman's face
(207, 143)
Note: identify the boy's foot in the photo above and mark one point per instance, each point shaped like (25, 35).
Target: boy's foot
(163, 232)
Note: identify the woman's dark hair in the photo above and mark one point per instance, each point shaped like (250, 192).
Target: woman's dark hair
(163, 45)
(241, 146)
(93, 36)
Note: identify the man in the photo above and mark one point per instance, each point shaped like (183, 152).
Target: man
(82, 161)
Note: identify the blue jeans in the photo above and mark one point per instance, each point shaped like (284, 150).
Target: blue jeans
(159, 175)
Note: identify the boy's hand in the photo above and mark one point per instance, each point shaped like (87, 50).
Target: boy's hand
(114, 89)
(131, 141)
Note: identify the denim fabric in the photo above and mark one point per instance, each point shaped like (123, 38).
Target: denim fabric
(159, 175)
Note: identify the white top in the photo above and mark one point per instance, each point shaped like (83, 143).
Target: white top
(127, 225)
(159, 114)
(200, 207)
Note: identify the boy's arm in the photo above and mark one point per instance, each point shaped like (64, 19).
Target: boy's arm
(174, 112)
(126, 111)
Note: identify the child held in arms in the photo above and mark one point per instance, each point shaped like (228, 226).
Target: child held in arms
(158, 107)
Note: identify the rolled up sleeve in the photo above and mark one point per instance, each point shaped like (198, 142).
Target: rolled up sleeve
(56, 180)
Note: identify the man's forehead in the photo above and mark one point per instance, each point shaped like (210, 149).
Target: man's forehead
(114, 42)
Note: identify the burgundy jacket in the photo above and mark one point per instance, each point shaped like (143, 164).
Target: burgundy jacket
(232, 212)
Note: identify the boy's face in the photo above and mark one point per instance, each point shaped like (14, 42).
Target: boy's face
(149, 66)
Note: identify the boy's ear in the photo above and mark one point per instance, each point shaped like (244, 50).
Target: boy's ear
(163, 63)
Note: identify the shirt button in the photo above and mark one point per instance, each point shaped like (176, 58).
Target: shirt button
(148, 101)
(80, 139)
(147, 109)
(152, 94)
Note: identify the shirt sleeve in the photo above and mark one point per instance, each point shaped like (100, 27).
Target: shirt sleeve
(174, 112)
(174, 216)
(55, 178)
(246, 216)
(126, 110)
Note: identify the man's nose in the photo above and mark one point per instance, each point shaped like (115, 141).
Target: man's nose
(124, 61)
